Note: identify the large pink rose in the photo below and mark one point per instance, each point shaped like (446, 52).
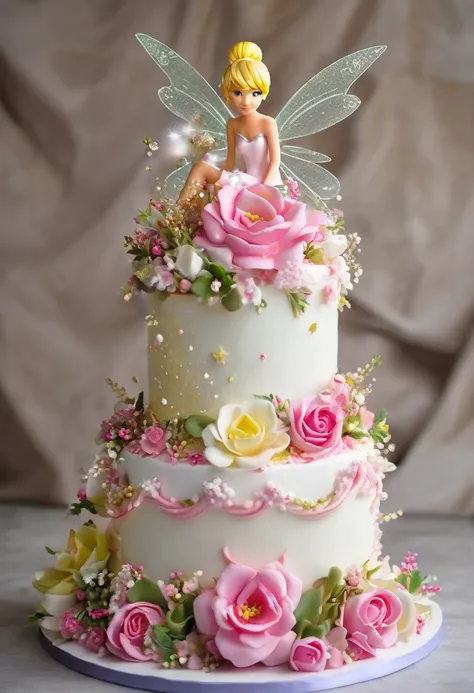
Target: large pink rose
(374, 615)
(255, 227)
(316, 421)
(250, 614)
(127, 630)
(308, 654)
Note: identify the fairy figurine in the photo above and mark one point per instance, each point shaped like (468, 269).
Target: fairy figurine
(255, 138)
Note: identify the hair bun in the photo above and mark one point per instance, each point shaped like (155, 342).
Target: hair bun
(245, 50)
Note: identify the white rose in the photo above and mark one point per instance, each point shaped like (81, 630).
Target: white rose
(247, 435)
(188, 262)
(334, 245)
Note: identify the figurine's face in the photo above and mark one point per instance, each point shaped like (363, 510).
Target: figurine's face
(245, 101)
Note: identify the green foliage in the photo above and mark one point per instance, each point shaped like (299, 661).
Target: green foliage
(298, 301)
(179, 622)
(77, 508)
(139, 404)
(380, 430)
(50, 551)
(314, 255)
(145, 590)
(37, 616)
(403, 579)
(232, 301)
(416, 580)
(195, 424)
(319, 606)
(163, 640)
(268, 398)
(201, 286)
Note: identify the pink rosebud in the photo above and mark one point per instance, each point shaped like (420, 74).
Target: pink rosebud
(308, 654)
(153, 441)
(373, 615)
(156, 250)
(184, 286)
(108, 436)
(80, 595)
(128, 627)
(81, 494)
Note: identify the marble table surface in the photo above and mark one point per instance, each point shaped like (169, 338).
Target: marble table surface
(445, 547)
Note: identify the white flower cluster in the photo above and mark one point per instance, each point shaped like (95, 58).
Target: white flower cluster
(218, 492)
(119, 586)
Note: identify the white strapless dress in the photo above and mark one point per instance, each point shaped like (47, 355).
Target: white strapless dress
(254, 156)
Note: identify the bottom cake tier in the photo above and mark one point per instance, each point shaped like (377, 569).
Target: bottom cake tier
(312, 516)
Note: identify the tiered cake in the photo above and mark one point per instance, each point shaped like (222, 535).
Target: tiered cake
(243, 490)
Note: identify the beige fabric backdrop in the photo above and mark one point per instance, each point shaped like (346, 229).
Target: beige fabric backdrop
(78, 94)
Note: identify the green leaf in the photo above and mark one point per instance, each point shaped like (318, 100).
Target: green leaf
(195, 424)
(178, 623)
(50, 551)
(38, 615)
(232, 301)
(201, 286)
(145, 590)
(162, 639)
(403, 579)
(373, 571)
(139, 406)
(217, 271)
(268, 398)
(416, 580)
(309, 606)
(329, 612)
(358, 435)
(335, 577)
(380, 416)
(77, 508)
(311, 631)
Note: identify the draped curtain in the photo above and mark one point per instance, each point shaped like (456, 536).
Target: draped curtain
(77, 97)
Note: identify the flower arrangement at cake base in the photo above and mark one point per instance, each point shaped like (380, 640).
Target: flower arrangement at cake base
(245, 616)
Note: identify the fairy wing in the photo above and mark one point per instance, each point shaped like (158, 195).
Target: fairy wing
(190, 97)
(320, 103)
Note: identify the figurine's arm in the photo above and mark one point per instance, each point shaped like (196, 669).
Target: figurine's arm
(273, 142)
(230, 161)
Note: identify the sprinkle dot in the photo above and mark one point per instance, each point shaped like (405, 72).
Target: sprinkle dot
(263, 357)
(216, 396)
(338, 198)
(164, 401)
(231, 378)
(206, 376)
(191, 347)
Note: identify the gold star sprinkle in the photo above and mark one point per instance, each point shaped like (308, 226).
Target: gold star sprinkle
(231, 378)
(313, 327)
(220, 355)
(135, 378)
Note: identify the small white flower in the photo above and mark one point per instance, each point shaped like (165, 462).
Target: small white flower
(215, 286)
(334, 245)
(188, 262)
(250, 292)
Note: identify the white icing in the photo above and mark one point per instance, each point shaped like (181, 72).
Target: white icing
(271, 352)
(162, 543)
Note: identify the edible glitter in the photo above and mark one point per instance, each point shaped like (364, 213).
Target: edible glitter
(164, 401)
(206, 376)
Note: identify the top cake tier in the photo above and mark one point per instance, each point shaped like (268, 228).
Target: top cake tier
(201, 357)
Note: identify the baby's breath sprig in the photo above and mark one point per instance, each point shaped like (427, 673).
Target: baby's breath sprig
(119, 391)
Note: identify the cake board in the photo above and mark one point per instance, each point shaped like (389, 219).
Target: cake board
(148, 677)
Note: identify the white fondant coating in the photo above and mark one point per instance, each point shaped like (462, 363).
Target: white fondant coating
(162, 543)
(270, 352)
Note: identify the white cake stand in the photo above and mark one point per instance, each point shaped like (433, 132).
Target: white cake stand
(148, 677)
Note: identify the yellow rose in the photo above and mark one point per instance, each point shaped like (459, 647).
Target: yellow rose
(87, 551)
(247, 435)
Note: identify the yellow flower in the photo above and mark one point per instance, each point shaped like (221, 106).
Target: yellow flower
(247, 435)
(87, 551)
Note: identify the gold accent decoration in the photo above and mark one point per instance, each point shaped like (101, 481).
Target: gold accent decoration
(312, 505)
(220, 355)
(313, 327)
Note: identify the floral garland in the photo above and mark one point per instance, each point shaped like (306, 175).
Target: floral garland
(248, 616)
(214, 247)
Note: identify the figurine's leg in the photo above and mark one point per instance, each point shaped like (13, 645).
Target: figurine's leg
(200, 175)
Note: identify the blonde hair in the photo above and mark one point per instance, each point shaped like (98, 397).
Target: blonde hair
(245, 70)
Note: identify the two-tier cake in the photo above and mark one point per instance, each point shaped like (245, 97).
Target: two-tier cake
(235, 530)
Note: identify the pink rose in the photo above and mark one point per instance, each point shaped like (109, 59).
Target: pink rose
(93, 639)
(250, 614)
(153, 441)
(316, 421)
(255, 227)
(374, 615)
(308, 654)
(127, 630)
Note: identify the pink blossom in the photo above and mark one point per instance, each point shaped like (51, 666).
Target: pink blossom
(250, 614)
(358, 647)
(128, 627)
(80, 595)
(156, 250)
(293, 188)
(354, 576)
(70, 628)
(308, 654)
(316, 421)
(184, 286)
(255, 227)
(81, 494)
(94, 638)
(191, 648)
(374, 616)
(153, 441)
(366, 418)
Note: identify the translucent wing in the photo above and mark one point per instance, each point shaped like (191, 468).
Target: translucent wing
(313, 181)
(323, 101)
(189, 95)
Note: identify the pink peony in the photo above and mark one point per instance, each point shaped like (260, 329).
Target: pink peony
(374, 615)
(308, 654)
(255, 227)
(94, 638)
(127, 630)
(250, 614)
(153, 441)
(316, 421)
